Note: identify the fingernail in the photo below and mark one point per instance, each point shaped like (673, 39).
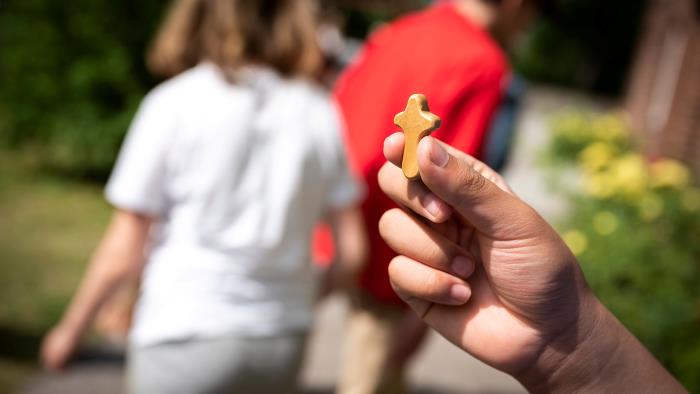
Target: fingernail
(460, 293)
(462, 266)
(432, 204)
(438, 154)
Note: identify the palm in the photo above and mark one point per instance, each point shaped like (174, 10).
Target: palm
(498, 325)
(526, 287)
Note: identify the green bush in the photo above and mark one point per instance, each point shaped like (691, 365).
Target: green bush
(634, 227)
(582, 43)
(72, 75)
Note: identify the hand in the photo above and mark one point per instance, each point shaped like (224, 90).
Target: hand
(488, 273)
(481, 266)
(117, 260)
(57, 347)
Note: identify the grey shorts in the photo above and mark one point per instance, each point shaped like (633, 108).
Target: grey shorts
(219, 365)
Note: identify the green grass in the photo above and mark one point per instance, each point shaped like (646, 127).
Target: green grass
(48, 228)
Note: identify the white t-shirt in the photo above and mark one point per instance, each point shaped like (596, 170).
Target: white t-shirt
(237, 174)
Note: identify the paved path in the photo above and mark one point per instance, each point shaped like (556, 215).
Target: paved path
(440, 367)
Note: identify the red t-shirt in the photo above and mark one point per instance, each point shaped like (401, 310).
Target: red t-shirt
(441, 54)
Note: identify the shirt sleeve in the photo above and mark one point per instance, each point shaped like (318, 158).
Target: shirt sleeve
(343, 187)
(137, 182)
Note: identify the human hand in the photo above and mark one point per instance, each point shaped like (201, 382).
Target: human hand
(481, 266)
(58, 346)
(488, 273)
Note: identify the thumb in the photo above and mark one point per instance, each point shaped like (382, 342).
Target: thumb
(490, 208)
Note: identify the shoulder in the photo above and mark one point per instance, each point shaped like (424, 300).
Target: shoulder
(404, 26)
(448, 41)
(319, 111)
(309, 97)
(187, 85)
(474, 57)
(324, 115)
(162, 107)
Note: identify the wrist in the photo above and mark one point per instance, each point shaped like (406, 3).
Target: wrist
(574, 360)
(598, 355)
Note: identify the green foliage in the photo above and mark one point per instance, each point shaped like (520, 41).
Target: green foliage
(359, 24)
(634, 227)
(72, 75)
(583, 43)
(49, 227)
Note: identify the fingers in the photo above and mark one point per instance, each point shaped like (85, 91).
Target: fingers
(490, 208)
(393, 151)
(417, 283)
(420, 199)
(393, 148)
(413, 195)
(410, 237)
(52, 357)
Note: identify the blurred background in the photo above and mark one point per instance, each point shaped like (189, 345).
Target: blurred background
(607, 146)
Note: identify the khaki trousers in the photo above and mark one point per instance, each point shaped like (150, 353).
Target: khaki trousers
(368, 342)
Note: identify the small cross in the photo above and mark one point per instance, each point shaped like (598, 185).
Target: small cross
(416, 121)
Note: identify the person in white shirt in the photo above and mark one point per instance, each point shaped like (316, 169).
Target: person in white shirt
(224, 172)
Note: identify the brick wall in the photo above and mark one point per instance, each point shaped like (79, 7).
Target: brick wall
(663, 100)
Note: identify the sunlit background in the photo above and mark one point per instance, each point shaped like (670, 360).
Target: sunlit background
(607, 146)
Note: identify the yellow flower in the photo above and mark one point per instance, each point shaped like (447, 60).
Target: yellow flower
(669, 173)
(610, 127)
(599, 185)
(650, 207)
(630, 175)
(690, 199)
(605, 223)
(597, 155)
(576, 241)
(572, 126)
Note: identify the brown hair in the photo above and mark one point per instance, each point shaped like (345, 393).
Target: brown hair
(231, 33)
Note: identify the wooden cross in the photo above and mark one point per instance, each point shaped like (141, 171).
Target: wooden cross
(416, 121)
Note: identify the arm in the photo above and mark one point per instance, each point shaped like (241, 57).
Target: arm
(350, 238)
(489, 274)
(608, 359)
(118, 259)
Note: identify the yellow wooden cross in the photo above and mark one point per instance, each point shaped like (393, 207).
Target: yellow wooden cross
(416, 121)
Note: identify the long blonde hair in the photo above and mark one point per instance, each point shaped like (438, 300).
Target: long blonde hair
(231, 33)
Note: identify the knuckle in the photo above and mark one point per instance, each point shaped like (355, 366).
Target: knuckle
(387, 221)
(470, 181)
(439, 255)
(433, 284)
(385, 177)
(395, 269)
(479, 167)
(382, 172)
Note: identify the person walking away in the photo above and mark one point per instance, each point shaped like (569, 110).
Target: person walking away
(449, 53)
(225, 170)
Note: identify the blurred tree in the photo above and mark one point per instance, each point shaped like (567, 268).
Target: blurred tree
(577, 43)
(584, 44)
(72, 74)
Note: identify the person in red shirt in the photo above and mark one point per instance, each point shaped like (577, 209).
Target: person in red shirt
(447, 52)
